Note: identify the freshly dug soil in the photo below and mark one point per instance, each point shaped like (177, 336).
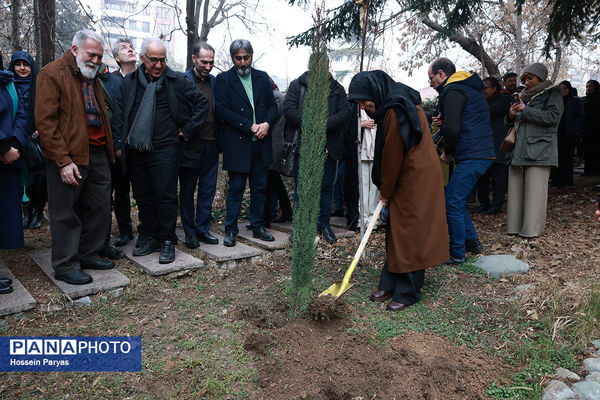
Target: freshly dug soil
(324, 361)
(323, 308)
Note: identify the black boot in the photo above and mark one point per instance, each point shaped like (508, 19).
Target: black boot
(27, 214)
(37, 220)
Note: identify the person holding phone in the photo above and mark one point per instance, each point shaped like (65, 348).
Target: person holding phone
(537, 113)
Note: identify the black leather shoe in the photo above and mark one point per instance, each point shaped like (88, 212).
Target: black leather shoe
(123, 239)
(327, 234)
(483, 208)
(5, 281)
(207, 238)
(191, 241)
(37, 221)
(492, 211)
(473, 246)
(337, 213)
(262, 234)
(99, 263)
(395, 306)
(229, 240)
(77, 277)
(283, 218)
(4, 289)
(379, 295)
(146, 247)
(456, 260)
(167, 253)
(110, 251)
(27, 214)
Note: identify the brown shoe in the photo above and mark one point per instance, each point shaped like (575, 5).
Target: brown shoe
(395, 307)
(379, 295)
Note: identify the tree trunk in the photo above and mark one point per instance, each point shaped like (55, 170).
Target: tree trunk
(519, 45)
(557, 62)
(36, 31)
(192, 30)
(47, 9)
(468, 44)
(15, 37)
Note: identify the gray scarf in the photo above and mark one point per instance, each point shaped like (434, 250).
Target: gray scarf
(527, 94)
(142, 129)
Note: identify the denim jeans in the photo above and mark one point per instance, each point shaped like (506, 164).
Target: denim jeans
(463, 179)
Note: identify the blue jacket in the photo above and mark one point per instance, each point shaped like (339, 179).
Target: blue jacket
(13, 130)
(475, 138)
(233, 109)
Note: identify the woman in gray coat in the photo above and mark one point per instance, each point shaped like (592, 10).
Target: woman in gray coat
(537, 113)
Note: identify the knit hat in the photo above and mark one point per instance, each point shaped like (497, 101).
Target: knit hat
(537, 69)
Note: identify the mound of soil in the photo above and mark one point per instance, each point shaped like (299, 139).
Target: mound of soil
(323, 308)
(324, 361)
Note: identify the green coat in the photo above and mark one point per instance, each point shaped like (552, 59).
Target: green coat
(536, 142)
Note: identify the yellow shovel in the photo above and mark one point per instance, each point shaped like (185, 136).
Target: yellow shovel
(340, 287)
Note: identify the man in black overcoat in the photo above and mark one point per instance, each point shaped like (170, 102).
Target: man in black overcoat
(156, 109)
(246, 107)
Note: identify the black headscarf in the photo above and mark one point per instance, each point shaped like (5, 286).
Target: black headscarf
(26, 86)
(380, 88)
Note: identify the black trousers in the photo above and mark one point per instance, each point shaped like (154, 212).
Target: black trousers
(153, 177)
(78, 214)
(351, 194)
(121, 204)
(235, 193)
(405, 288)
(276, 191)
(563, 175)
(498, 175)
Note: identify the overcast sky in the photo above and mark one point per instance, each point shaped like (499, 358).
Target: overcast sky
(272, 54)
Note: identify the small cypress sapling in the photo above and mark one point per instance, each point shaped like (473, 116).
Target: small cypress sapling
(310, 174)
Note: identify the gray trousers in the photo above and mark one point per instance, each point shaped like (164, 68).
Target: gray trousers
(78, 215)
(527, 200)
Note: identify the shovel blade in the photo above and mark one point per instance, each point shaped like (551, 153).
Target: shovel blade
(337, 289)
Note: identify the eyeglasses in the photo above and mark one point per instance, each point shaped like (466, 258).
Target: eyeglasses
(156, 60)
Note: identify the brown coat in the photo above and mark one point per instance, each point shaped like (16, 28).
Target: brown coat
(60, 115)
(418, 233)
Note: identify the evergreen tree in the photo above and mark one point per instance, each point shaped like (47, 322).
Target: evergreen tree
(310, 174)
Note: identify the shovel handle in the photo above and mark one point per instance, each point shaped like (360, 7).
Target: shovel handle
(362, 245)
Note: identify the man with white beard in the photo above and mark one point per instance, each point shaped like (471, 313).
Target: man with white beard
(75, 133)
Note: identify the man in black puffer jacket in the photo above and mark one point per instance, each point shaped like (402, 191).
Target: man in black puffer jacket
(339, 111)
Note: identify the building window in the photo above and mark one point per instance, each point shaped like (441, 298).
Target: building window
(133, 25)
(120, 5)
(163, 12)
(146, 26)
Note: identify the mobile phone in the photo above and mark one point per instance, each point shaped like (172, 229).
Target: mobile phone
(515, 98)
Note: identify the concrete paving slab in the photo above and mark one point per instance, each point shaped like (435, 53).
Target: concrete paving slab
(103, 280)
(338, 221)
(220, 253)
(150, 265)
(19, 300)
(282, 226)
(281, 238)
(287, 227)
(226, 259)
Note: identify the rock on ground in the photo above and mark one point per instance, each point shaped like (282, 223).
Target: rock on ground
(557, 390)
(502, 265)
(83, 301)
(592, 364)
(565, 374)
(588, 390)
